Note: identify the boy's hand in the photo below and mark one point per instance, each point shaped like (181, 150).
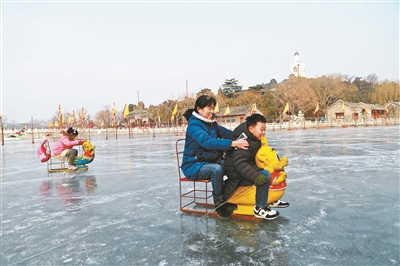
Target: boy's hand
(261, 180)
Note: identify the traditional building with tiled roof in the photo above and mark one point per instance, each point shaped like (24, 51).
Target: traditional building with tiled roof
(342, 112)
(236, 115)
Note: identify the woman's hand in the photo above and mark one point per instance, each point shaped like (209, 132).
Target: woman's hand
(241, 144)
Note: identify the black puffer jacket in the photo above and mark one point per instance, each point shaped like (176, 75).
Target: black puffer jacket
(240, 164)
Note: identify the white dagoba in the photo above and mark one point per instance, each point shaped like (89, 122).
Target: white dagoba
(298, 68)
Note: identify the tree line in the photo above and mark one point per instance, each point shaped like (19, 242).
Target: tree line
(302, 94)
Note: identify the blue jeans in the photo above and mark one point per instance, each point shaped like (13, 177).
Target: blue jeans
(262, 191)
(215, 172)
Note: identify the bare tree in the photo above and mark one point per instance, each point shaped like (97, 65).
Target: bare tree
(205, 91)
(104, 116)
(248, 97)
(372, 78)
(385, 92)
(298, 93)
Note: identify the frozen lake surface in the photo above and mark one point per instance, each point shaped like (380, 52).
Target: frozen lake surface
(343, 187)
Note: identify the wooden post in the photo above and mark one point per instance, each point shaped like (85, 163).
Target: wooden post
(129, 127)
(273, 123)
(33, 141)
(2, 132)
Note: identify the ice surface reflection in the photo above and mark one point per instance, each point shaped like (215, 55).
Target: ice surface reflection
(343, 186)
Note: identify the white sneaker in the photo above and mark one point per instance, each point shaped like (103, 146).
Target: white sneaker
(72, 167)
(279, 204)
(265, 213)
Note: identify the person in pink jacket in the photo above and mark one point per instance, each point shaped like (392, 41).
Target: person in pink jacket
(64, 147)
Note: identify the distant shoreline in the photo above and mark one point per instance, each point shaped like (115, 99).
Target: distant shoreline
(41, 133)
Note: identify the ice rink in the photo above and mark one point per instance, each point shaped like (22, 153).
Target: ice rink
(343, 187)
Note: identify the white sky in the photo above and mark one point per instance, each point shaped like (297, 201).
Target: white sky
(92, 54)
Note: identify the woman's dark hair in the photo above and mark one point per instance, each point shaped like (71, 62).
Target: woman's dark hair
(254, 119)
(201, 102)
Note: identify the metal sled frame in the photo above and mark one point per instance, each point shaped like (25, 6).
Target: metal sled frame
(197, 198)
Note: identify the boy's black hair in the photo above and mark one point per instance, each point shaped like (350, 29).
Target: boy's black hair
(254, 119)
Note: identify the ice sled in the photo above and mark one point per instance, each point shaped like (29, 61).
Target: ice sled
(59, 164)
(196, 196)
(268, 159)
(245, 196)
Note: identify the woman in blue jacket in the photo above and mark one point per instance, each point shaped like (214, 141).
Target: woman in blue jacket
(204, 140)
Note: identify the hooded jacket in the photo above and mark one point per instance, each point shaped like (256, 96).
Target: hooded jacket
(65, 144)
(241, 163)
(204, 138)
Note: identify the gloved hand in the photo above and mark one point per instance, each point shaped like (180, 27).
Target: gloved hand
(261, 180)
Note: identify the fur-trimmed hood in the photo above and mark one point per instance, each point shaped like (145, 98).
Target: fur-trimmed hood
(202, 118)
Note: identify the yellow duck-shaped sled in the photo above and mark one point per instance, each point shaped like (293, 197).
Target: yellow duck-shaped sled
(267, 158)
(86, 157)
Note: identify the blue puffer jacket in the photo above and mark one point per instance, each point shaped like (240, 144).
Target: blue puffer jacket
(201, 143)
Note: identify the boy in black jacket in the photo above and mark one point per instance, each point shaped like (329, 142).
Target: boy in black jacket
(241, 169)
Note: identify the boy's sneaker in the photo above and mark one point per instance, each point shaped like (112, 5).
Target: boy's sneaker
(265, 213)
(279, 204)
(72, 167)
